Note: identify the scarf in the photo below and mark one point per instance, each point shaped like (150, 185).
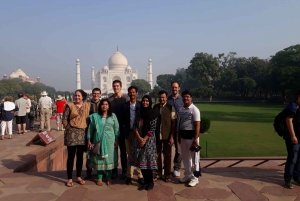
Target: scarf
(76, 120)
(148, 114)
(97, 134)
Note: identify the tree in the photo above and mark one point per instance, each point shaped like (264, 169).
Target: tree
(246, 85)
(203, 71)
(227, 61)
(154, 92)
(164, 81)
(204, 67)
(286, 69)
(14, 86)
(204, 91)
(142, 85)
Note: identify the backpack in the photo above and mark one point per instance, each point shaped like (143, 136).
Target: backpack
(280, 124)
(280, 121)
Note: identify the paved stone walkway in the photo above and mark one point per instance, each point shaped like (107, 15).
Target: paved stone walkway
(217, 183)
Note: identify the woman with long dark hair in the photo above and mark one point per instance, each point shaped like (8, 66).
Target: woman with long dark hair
(75, 122)
(143, 151)
(102, 139)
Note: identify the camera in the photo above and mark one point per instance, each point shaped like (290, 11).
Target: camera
(195, 149)
(198, 148)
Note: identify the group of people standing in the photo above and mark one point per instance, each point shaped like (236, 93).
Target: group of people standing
(142, 132)
(24, 109)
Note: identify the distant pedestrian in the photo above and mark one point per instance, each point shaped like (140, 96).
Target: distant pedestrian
(45, 105)
(21, 103)
(189, 125)
(7, 109)
(33, 112)
(75, 122)
(60, 106)
(28, 106)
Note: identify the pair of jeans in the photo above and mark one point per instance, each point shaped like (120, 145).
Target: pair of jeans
(292, 165)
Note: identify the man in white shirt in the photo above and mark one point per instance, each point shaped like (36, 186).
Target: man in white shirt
(189, 129)
(45, 105)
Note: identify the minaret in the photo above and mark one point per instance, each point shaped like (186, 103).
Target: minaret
(150, 73)
(78, 81)
(93, 77)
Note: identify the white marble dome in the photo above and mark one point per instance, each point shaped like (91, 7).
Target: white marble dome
(13, 75)
(128, 68)
(105, 67)
(18, 73)
(117, 62)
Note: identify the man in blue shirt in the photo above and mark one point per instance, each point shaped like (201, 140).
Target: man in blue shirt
(176, 101)
(292, 141)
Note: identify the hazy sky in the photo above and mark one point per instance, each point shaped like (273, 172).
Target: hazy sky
(44, 38)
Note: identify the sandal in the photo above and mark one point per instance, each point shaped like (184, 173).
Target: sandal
(81, 181)
(99, 182)
(168, 179)
(157, 177)
(108, 182)
(69, 184)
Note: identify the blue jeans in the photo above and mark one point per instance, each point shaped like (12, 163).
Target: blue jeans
(292, 165)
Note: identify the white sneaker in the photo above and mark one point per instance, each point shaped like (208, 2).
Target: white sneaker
(57, 128)
(176, 173)
(193, 182)
(184, 179)
(62, 129)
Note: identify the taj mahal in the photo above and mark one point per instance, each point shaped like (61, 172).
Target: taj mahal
(117, 69)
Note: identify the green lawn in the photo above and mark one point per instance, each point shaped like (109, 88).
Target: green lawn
(241, 130)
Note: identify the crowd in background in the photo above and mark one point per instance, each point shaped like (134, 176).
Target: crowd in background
(25, 111)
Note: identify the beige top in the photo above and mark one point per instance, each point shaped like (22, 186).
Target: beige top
(45, 102)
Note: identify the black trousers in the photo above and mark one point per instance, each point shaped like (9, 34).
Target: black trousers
(147, 175)
(123, 155)
(77, 150)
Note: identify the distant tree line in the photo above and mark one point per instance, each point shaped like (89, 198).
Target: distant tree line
(11, 87)
(232, 77)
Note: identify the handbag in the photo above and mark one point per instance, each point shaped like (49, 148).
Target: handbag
(31, 114)
(96, 148)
